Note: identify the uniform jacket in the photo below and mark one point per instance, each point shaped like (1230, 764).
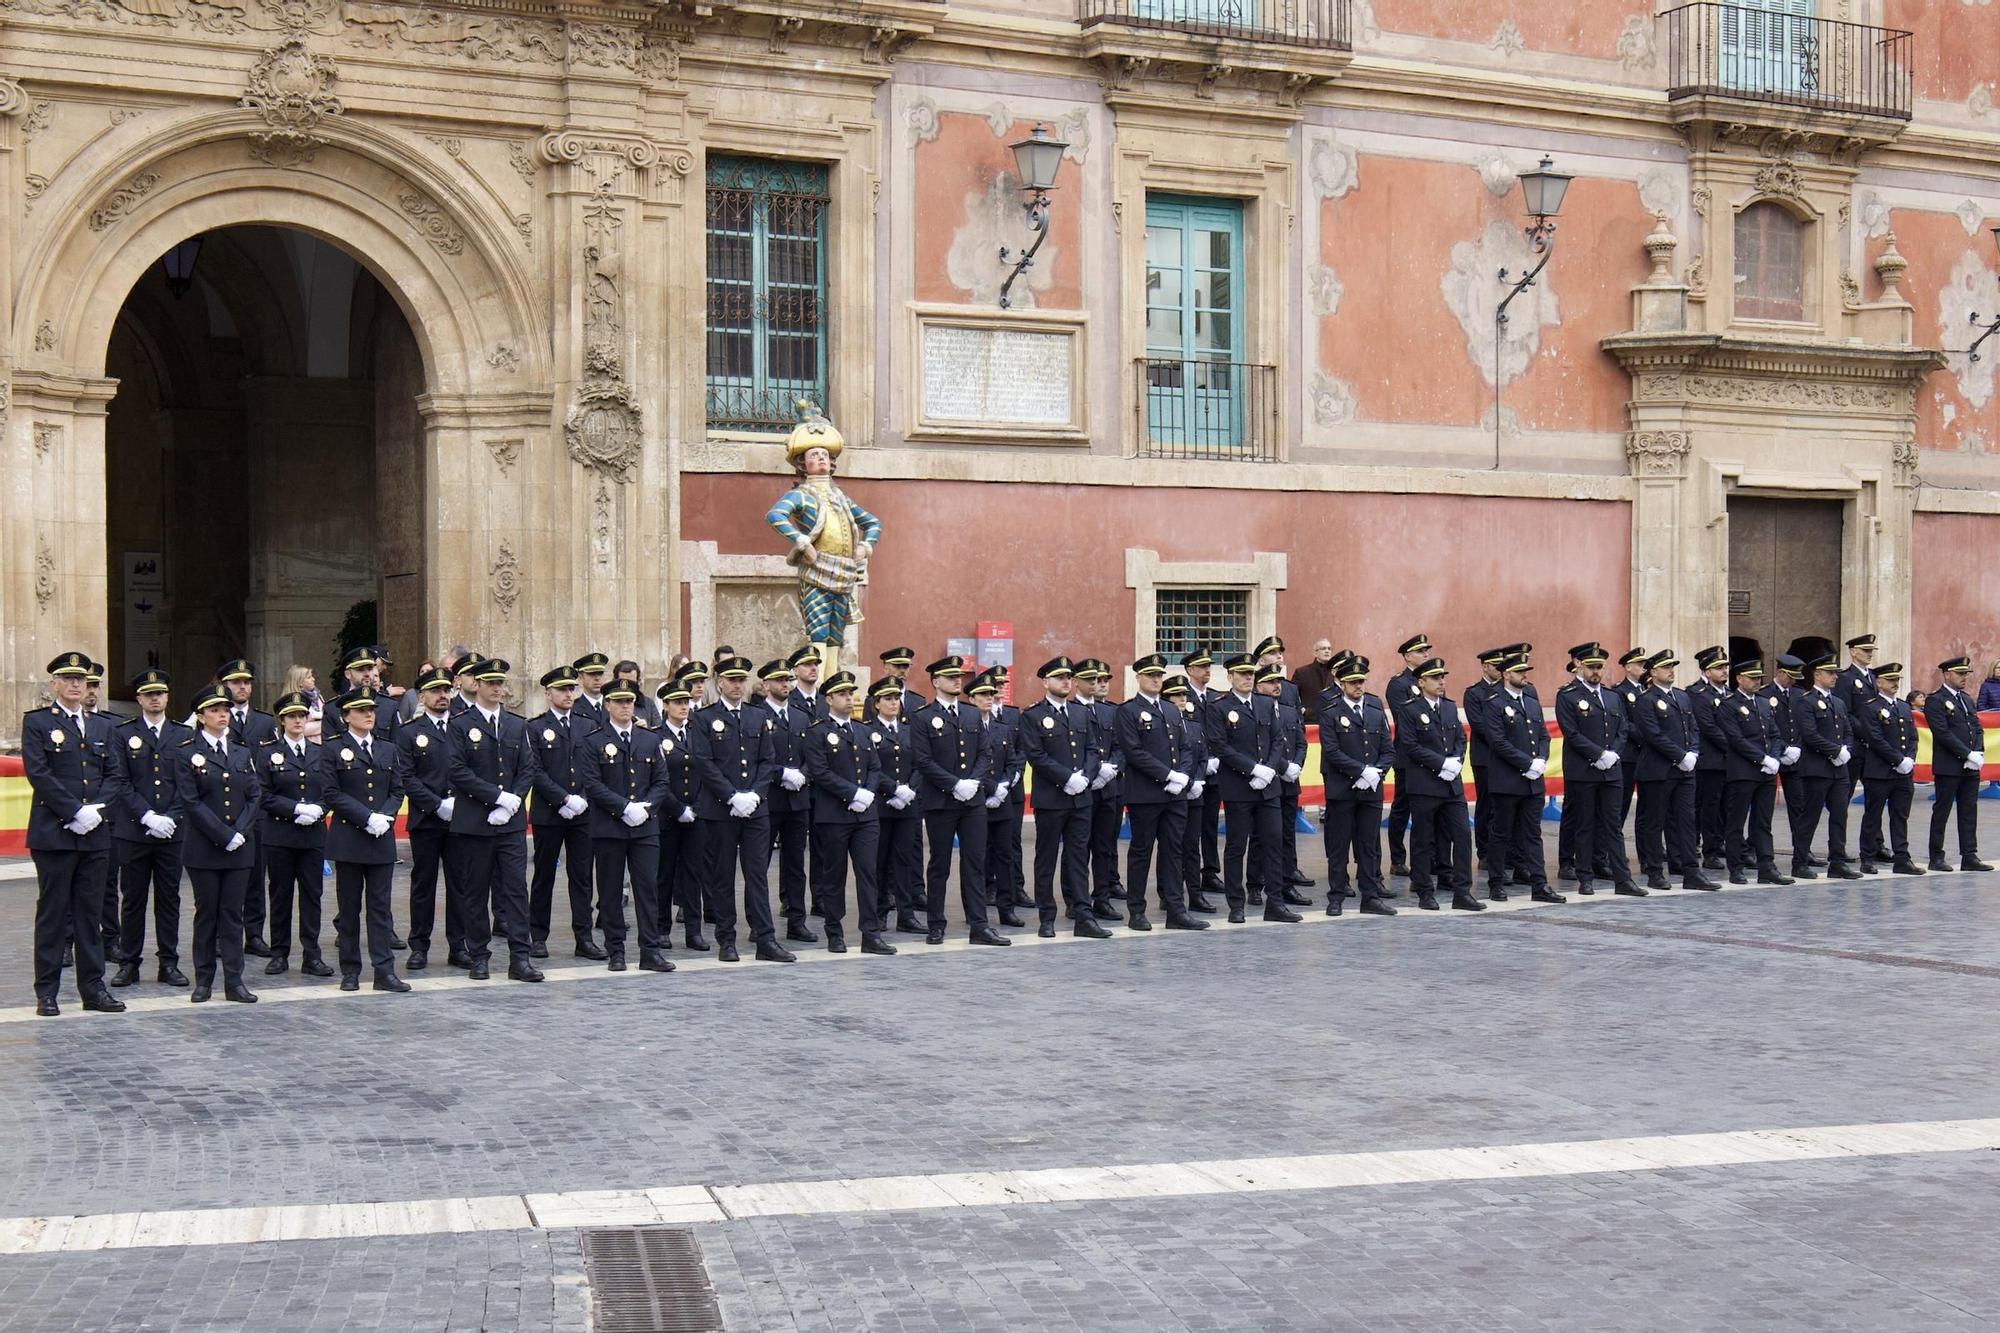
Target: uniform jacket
(1779, 696)
(362, 781)
(1824, 727)
(1516, 736)
(683, 781)
(1058, 745)
(1104, 714)
(1428, 732)
(1888, 732)
(590, 710)
(1195, 724)
(812, 705)
(1292, 736)
(67, 769)
(557, 773)
(1472, 703)
(1401, 689)
(1955, 731)
(620, 770)
(1244, 733)
(1007, 756)
(1152, 743)
(1708, 698)
(487, 759)
(1856, 688)
(148, 768)
(1751, 731)
(1667, 725)
(950, 745)
(289, 781)
(912, 701)
(1348, 744)
(1629, 692)
(839, 758)
(896, 758)
(732, 753)
(1589, 728)
(219, 798)
(254, 729)
(423, 766)
(788, 735)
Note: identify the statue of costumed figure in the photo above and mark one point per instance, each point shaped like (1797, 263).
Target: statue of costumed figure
(831, 536)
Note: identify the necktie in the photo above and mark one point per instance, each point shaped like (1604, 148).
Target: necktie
(368, 750)
(625, 736)
(298, 752)
(222, 748)
(563, 722)
(237, 715)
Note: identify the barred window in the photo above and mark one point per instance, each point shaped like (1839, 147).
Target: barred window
(1770, 264)
(766, 291)
(1188, 618)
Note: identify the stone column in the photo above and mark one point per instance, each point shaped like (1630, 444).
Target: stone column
(1674, 601)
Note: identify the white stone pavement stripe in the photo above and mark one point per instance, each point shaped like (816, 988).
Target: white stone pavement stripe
(439, 981)
(986, 1189)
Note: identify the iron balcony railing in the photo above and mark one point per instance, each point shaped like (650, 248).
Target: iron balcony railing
(1325, 23)
(1723, 50)
(1208, 409)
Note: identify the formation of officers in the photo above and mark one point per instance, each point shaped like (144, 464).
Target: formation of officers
(686, 804)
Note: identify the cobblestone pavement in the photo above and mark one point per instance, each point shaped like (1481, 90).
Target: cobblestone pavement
(1603, 1018)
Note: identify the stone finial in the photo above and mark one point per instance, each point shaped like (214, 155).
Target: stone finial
(1660, 245)
(1890, 266)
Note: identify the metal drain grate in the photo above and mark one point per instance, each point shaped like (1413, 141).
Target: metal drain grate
(648, 1280)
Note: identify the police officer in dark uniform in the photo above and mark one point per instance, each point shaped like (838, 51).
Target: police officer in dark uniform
(1243, 731)
(1007, 757)
(1711, 764)
(623, 767)
(681, 868)
(847, 785)
(1270, 652)
(1888, 734)
(1401, 690)
(1204, 874)
(1517, 748)
(361, 669)
(1958, 754)
(1107, 809)
(492, 771)
(219, 796)
(1595, 754)
(1633, 682)
(591, 672)
(899, 862)
(736, 765)
(358, 772)
(896, 668)
(791, 804)
(1156, 762)
(423, 767)
(1826, 737)
(559, 814)
(1178, 692)
(956, 776)
(1777, 695)
(248, 726)
(1430, 748)
(1473, 701)
(1272, 683)
(1667, 739)
(293, 835)
(1856, 688)
(1756, 748)
(76, 785)
(1355, 753)
(1059, 737)
(147, 837)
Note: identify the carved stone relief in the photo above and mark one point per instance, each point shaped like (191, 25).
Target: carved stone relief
(122, 201)
(291, 89)
(47, 436)
(505, 454)
(1657, 453)
(1472, 290)
(433, 222)
(45, 574)
(506, 571)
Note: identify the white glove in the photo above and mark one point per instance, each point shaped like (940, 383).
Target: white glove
(634, 814)
(1261, 775)
(1177, 782)
(87, 818)
(1194, 792)
(1214, 765)
(863, 798)
(1077, 782)
(743, 804)
(1536, 769)
(992, 802)
(1687, 762)
(235, 842)
(1790, 755)
(157, 824)
(315, 811)
(446, 806)
(378, 824)
(572, 806)
(497, 816)
(1769, 765)
(1291, 772)
(1840, 759)
(1905, 766)
(1106, 771)
(792, 779)
(510, 803)
(1605, 760)
(686, 816)
(1975, 759)
(904, 795)
(303, 817)
(1000, 792)
(1371, 777)
(964, 789)
(1451, 769)
(1361, 783)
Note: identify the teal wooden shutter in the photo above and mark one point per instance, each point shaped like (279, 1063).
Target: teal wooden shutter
(1195, 389)
(1767, 46)
(766, 291)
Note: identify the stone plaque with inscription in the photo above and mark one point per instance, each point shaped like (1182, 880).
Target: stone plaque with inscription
(997, 377)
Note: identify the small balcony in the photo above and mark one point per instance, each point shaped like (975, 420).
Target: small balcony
(1729, 54)
(1222, 410)
(1312, 23)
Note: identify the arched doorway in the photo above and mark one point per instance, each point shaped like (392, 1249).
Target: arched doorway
(263, 460)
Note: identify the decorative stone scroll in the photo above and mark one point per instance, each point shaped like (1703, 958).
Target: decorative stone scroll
(291, 89)
(1657, 453)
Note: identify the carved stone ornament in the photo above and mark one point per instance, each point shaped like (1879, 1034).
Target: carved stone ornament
(1781, 179)
(1657, 453)
(45, 337)
(505, 454)
(47, 436)
(123, 200)
(1905, 459)
(292, 90)
(45, 573)
(603, 426)
(504, 356)
(433, 222)
(506, 580)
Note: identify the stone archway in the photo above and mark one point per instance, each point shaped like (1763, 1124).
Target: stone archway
(457, 279)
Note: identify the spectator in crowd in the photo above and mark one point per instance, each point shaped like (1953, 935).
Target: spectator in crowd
(1316, 676)
(299, 680)
(1989, 689)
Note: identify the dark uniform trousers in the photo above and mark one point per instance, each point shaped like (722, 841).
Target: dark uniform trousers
(1440, 845)
(731, 843)
(967, 821)
(300, 872)
(153, 864)
(566, 842)
(899, 867)
(1107, 817)
(1960, 796)
(1062, 837)
(1253, 822)
(1955, 730)
(682, 872)
(791, 837)
(1353, 831)
(1157, 827)
(1748, 807)
(615, 859)
(1668, 825)
(834, 847)
(218, 921)
(494, 867)
(1003, 854)
(1893, 794)
(70, 903)
(360, 889)
(1824, 788)
(430, 855)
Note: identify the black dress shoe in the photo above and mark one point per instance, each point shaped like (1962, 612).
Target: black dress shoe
(835, 944)
(1400, 868)
(699, 943)
(1138, 921)
(460, 958)
(171, 976)
(1197, 903)
(1738, 877)
(1334, 903)
(478, 971)
(1465, 902)
(389, 981)
(1699, 883)
(316, 967)
(1712, 863)
(103, 1002)
(1296, 899)
(538, 949)
(1940, 866)
(1656, 880)
(770, 951)
(1497, 893)
(988, 935)
(46, 1007)
(1565, 872)
(418, 960)
(1865, 867)
(1975, 864)
(1816, 862)
(278, 966)
(1009, 917)
(1302, 880)
(1046, 930)
(397, 941)
(875, 944)
(1106, 912)
(519, 971)
(350, 983)
(1376, 907)
(650, 961)
(1090, 930)
(255, 946)
(727, 954)
(616, 963)
(1255, 898)
(1800, 872)
(1235, 916)
(200, 993)
(1275, 910)
(935, 935)
(1906, 867)
(588, 948)
(1586, 888)
(237, 993)
(1772, 875)
(797, 932)
(1545, 894)
(128, 975)
(1182, 921)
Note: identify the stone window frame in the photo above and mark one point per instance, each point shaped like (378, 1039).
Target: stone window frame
(1264, 576)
